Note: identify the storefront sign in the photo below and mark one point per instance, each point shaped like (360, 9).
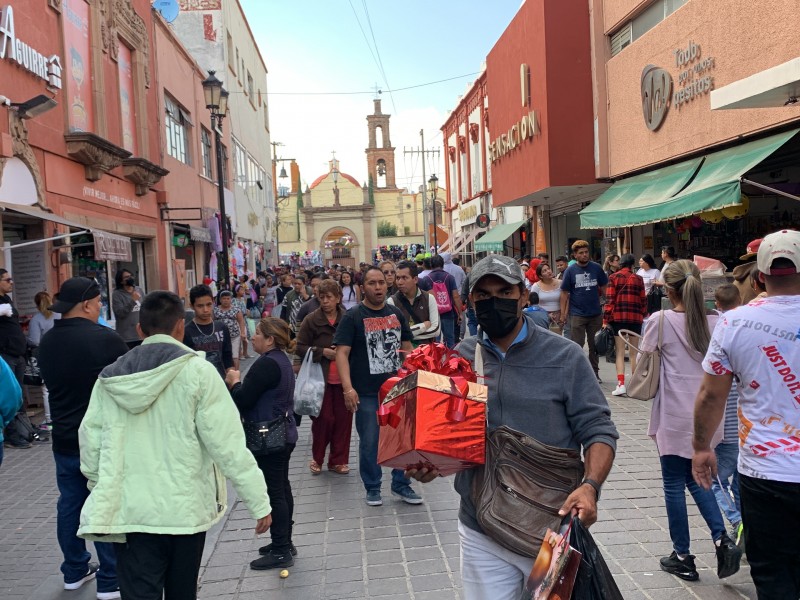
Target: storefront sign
(200, 234)
(522, 130)
(657, 84)
(694, 80)
(108, 246)
(469, 212)
(121, 201)
(13, 48)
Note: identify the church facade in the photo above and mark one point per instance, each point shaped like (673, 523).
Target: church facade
(337, 220)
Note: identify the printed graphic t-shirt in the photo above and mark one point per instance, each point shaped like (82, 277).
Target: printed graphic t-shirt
(760, 344)
(582, 283)
(374, 337)
(214, 339)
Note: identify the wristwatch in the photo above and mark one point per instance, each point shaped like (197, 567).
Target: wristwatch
(595, 485)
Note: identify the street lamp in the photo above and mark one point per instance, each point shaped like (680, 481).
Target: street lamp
(433, 186)
(217, 102)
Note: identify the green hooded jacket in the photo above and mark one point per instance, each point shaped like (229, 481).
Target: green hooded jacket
(160, 432)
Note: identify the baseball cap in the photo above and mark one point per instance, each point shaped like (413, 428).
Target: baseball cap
(419, 257)
(781, 244)
(73, 291)
(504, 267)
(752, 250)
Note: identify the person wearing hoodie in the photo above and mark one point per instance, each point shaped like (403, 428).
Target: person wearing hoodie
(10, 399)
(456, 271)
(157, 442)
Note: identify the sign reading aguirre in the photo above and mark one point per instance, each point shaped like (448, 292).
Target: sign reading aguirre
(30, 59)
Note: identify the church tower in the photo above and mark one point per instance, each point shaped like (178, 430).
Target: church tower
(380, 154)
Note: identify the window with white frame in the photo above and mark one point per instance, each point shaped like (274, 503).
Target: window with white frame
(205, 142)
(177, 128)
(642, 23)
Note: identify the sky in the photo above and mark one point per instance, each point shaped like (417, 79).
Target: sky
(314, 47)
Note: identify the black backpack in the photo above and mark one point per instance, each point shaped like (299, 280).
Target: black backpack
(21, 428)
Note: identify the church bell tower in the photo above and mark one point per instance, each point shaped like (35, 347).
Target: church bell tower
(380, 153)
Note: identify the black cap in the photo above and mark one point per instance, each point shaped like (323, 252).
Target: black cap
(73, 291)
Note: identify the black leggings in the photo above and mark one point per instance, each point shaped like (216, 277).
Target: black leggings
(276, 474)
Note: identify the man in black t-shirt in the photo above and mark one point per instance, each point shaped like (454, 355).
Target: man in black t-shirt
(368, 342)
(206, 334)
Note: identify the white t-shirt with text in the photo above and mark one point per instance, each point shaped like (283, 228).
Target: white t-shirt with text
(760, 344)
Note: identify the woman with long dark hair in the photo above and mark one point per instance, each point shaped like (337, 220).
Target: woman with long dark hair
(685, 335)
(351, 295)
(267, 393)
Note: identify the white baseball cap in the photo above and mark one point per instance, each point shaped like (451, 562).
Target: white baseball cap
(781, 244)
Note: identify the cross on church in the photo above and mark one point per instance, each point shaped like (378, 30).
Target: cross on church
(378, 91)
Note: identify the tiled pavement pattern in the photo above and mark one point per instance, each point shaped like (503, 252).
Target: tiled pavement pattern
(349, 550)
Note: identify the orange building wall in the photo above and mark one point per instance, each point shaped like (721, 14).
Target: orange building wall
(743, 39)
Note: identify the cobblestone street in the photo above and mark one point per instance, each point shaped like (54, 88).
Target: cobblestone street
(349, 550)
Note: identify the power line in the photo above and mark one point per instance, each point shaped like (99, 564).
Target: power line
(402, 89)
(378, 52)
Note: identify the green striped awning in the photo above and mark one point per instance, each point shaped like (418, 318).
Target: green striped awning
(494, 239)
(687, 188)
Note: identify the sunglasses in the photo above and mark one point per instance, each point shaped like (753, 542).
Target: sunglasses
(388, 272)
(91, 285)
(8, 279)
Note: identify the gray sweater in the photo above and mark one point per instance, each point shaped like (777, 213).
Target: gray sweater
(544, 388)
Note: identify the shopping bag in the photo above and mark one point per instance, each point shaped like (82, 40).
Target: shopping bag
(309, 388)
(594, 580)
(555, 569)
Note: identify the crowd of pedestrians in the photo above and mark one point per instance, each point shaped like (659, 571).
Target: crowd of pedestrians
(148, 420)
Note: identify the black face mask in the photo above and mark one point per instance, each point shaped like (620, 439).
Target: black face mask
(497, 316)
(130, 281)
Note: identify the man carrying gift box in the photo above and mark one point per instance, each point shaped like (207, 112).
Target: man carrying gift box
(368, 342)
(565, 408)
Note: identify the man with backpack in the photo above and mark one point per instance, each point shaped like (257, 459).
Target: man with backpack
(418, 307)
(444, 290)
(71, 356)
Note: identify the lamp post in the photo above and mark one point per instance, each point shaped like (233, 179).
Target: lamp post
(433, 186)
(282, 194)
(217, 102)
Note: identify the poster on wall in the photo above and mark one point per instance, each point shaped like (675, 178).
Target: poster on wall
(126, 98)
(78, 65)
(28, 269)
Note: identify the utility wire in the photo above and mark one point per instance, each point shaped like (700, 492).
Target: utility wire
(366, 39)
(378, 52)
(409, 87)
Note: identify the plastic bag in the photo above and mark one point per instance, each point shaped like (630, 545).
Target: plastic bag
(603, 340)
(309, 388)
(594, 580)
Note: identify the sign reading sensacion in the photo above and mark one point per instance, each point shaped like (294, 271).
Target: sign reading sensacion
(520, 131)
(30, 59)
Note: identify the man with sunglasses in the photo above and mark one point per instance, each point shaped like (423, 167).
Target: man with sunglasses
(71, 356)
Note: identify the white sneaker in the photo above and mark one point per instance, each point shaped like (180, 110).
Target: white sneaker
(620, 391)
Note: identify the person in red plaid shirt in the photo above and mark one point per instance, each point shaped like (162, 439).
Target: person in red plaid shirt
(625, 308)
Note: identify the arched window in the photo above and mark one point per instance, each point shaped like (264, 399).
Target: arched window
(380, 173)
(378, 136)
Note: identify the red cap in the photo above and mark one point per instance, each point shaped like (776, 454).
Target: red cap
(752, 250)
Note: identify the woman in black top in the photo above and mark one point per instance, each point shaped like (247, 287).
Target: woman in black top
(266, 393)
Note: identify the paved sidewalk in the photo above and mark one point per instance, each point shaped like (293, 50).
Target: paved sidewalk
(349, 550)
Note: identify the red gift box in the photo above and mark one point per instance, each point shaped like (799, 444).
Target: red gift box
(432, 420)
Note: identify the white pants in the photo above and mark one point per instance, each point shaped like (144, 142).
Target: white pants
(489, 571)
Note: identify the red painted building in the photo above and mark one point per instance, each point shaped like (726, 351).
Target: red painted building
(88, 165)
(539, 148)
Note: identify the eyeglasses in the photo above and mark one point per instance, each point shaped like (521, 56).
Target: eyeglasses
(7, 279)
(91, 285)
(388, 272)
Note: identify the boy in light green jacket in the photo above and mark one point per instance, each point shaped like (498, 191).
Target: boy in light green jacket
(160, 434)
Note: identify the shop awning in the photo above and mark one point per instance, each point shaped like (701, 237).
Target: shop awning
(714, 182)
(494, 240)
(107, 246)
(638, 200)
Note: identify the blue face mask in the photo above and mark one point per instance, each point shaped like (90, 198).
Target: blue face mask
(497, 316)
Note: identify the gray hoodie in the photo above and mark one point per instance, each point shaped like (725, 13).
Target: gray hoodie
(544, 388)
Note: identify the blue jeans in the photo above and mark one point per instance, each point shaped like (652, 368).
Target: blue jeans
(448, 322)
(472, 321)
(727, 459)
(676, 473)
(73, 490)
(367, 427)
